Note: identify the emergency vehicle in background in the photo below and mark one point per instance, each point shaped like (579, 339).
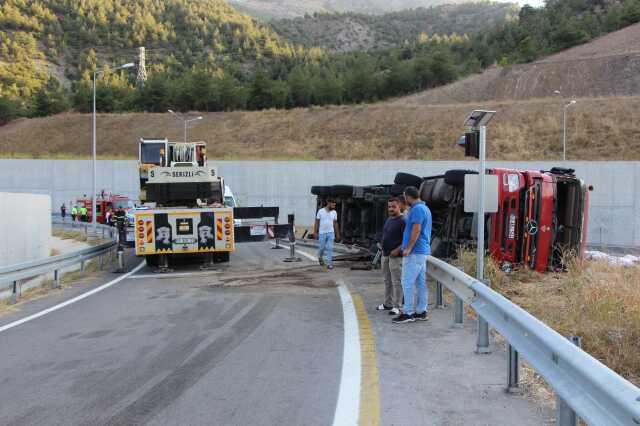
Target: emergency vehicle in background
(542, 215)
(185, 208)
(105, 202)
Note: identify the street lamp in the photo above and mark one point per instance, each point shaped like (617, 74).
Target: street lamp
(564, 128)
(94, 221)
(477, 122)
(185, 120)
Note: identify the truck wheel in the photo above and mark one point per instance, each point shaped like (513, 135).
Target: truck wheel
(341, 190)
(456, 177)
(222, 257)
(152, 261)
(407, 179)
(441, 194)
(320, 190)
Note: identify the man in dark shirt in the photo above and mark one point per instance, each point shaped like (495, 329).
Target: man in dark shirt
(392, 258)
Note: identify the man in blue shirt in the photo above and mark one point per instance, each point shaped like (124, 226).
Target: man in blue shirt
(415, 247)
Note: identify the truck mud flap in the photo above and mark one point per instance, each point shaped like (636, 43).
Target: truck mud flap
(260, 232)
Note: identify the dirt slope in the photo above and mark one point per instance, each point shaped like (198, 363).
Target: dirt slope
(597, 128)
(607, 66)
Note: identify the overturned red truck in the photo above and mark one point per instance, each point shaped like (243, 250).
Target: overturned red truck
(542, 215)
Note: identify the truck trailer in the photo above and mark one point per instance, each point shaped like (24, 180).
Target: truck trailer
(541, 218)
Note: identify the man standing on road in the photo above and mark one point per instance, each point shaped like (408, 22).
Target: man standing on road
(63, 211)
(74, 213)
(416, 247)
(392, 258)
(326, 229)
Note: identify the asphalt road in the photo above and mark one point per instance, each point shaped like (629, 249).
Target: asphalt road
(256, 341)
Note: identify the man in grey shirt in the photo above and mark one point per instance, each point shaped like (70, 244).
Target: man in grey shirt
(392, 258)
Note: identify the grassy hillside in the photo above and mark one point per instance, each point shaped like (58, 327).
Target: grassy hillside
(598, 129)
(275, 9)
(68, 38)
(607, 66)
(344, 32)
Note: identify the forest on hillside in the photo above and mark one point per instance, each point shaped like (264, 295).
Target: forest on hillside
(204, 55)
(350, 31)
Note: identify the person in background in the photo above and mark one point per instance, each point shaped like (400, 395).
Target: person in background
(402, 203)
(63, 211)
(392, 258)
(326, 230)
(107, 217)
(416, 240)
(83, 214)
(74, 213)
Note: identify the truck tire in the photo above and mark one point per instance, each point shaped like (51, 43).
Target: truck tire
(341, 190)
(407, 179)
(151, 261)
(456, 177)
(320, 190)
(441, 194)
(222, 257)
(426, 189)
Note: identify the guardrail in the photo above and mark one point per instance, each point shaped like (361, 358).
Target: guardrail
(12, 276)
(588, 389)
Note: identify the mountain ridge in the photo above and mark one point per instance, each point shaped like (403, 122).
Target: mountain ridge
(279, 9)
(345, 32)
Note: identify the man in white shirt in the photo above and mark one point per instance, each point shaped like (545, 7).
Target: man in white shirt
(326, 229)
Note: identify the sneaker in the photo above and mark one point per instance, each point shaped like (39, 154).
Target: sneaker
(402, 318)
(421, 317)
(394, 311)
(383, 307)
(330, 267)
(321, 262)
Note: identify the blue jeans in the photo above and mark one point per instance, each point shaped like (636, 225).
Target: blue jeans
(326, 243)
(414, 276)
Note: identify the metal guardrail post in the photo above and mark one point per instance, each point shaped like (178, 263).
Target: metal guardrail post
(565, 416)
(482, 346)
(292, 241)
(277, 246)
(14, 294)
(439, 295)
(513, 381)
(82, 268)
(56, 279)
(458, 309)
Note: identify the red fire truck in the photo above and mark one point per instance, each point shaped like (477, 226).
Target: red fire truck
(104, 203)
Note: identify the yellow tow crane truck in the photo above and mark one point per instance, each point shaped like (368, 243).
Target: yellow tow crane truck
(184, 211)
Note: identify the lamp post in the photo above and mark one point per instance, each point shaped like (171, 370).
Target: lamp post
(478, 121)
(94, 221)
(564, 128)
(186, 121)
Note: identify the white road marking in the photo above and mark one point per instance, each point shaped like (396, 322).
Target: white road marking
(71, 301)
(348, 406)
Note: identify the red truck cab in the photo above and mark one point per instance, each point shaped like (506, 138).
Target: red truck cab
(541, 218)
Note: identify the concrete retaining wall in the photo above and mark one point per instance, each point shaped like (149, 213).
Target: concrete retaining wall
(614, 213)
(25, 227)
